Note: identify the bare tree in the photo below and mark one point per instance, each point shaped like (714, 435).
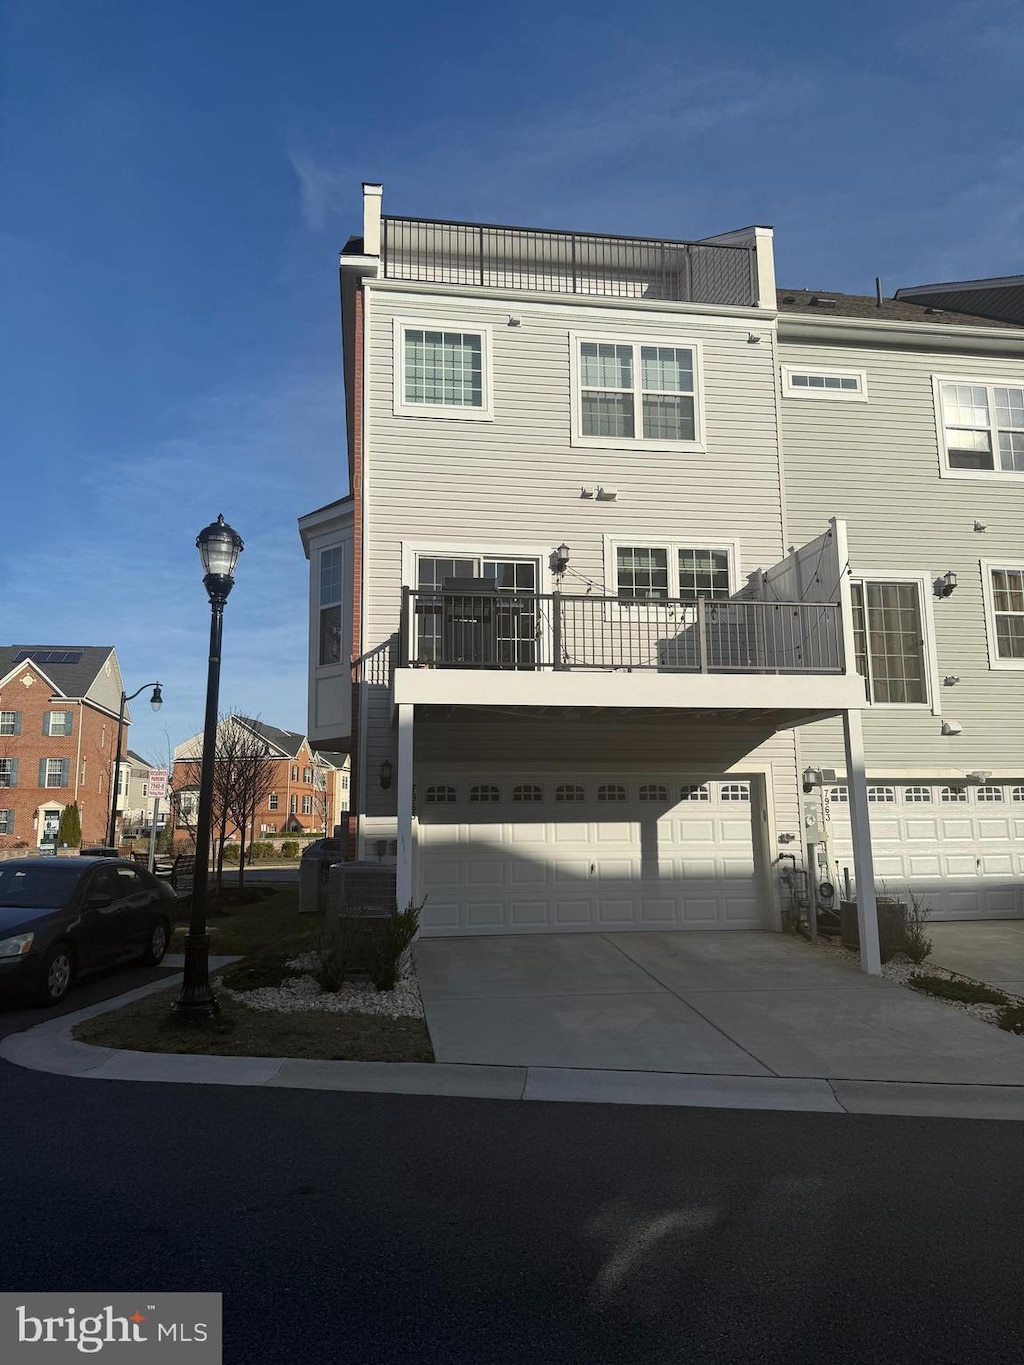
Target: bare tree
(253, 777)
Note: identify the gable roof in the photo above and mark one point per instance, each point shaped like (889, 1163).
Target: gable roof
(288, 741)
(827, 303)
(1000, 298)
(72, 669)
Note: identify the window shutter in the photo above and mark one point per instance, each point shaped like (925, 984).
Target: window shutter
(46, 722)
(69, 723)
(14, 772)
(42, 772)
(17, 722)
(64, 765)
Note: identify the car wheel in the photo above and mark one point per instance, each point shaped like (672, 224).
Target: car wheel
(157, 945)
(58, 974)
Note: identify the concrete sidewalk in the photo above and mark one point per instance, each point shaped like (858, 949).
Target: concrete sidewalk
(992, 951)
(777, 1024)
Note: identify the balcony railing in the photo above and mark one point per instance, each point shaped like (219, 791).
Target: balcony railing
(567, 262)
(527, 631)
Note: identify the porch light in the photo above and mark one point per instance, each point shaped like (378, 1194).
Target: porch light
(385, 774)
(560, 559)
(946, 583)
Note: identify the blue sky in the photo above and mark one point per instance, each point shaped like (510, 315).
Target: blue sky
(177, 179)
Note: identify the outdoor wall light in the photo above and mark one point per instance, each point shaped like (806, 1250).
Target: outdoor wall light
(384, 776)
(560, 559)
(944, 586)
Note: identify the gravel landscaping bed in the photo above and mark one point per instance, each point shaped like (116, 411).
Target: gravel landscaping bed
(301, 992)
(900, 970)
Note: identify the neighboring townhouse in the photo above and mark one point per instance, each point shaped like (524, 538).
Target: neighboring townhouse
(58, 732)
(907, 419)
(134, 802)
(302, 792)
(582, 650)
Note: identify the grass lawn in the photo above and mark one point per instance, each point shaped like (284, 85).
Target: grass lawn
(265, 932)
(149, 1026)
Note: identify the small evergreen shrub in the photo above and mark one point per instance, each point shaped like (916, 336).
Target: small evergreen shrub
(231, 853)
(70, 831)
(262, 849)
(290, 848)
(967, 992)
(391, 945)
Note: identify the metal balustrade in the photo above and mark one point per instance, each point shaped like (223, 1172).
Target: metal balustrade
(558, 631)
(483, 254)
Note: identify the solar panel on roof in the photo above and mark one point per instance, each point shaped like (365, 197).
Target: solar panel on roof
(49, 656)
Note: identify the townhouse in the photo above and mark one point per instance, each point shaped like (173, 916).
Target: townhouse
(58, 733)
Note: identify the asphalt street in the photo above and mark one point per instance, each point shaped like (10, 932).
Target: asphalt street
(394, 1229)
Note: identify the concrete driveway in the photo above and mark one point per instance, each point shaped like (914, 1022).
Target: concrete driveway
(992, 951)
(739, 1004)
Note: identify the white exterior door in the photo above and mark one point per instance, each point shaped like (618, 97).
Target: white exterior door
(960, 848)
(527, 854)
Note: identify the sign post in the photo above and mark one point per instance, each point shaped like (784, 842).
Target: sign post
(157, 789)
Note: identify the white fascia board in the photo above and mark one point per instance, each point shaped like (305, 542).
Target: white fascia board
(830, 692)
(725, 313)
(31, 664)
(883, 332)
(958, 286)
(323, 521)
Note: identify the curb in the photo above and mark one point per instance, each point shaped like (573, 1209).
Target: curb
(49, 1047)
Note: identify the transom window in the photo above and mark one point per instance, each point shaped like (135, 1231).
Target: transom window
(889, 641)
(983, 426)
(735, 791)
(653, 791)
(1007, 604)
(883, 795)
(527, 791)
(631, 392)
(831, 384)
(840, 795)
(611, 791)
(440, 795)
(951, 795)
(441, 371)
(917, 795)
(694, 793)
(671, 572)
(570, 791)
(483, 794)
(986, 793)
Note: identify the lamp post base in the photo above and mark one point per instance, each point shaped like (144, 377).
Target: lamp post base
(197, 1000)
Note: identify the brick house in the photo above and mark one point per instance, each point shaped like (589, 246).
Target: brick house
(307, 794)
(58, 731)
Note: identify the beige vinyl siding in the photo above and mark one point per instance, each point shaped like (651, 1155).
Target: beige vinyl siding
(517, 479)
(877, 464)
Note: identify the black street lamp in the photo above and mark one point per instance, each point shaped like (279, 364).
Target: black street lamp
(156, 701)
(219, 547)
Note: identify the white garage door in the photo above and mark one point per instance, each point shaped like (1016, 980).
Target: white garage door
(958, 847)
(528, 855)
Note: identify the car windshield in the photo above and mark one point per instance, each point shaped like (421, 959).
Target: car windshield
(37, 888)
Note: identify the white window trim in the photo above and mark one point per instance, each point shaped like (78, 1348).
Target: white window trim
(860, 395)
(1010, 475)
(644, 540)
(931, 661)
(443, 411)
(697, 446)
(987, 565)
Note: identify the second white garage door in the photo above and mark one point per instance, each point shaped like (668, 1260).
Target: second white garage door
(526, 855)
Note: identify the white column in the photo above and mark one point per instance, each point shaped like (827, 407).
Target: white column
(406, 833)
(863, 862)
(372, 199)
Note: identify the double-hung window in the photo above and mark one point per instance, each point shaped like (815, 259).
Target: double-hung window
(10, 722)
(635, 393)
(889, 641)
(53, 772)
(981, 427)
(8, 772)
(57, 723)
(670, 571)
(1004, 608)
(331, 572)
(442, 371)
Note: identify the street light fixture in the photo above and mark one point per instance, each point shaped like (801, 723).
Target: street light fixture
(156, 701)
(219, 546)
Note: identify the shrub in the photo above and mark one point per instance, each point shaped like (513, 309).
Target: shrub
(231, 853)
(391, 945)
(916, 943)
(70, 831)
(261, 849)
(335, 953)
(290, 848)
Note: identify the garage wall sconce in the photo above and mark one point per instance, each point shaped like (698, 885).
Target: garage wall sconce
(944, 586)
(384, 776)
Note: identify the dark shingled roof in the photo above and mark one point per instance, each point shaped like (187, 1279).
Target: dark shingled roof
(286, 740)
(74, 680)
(813, 303)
